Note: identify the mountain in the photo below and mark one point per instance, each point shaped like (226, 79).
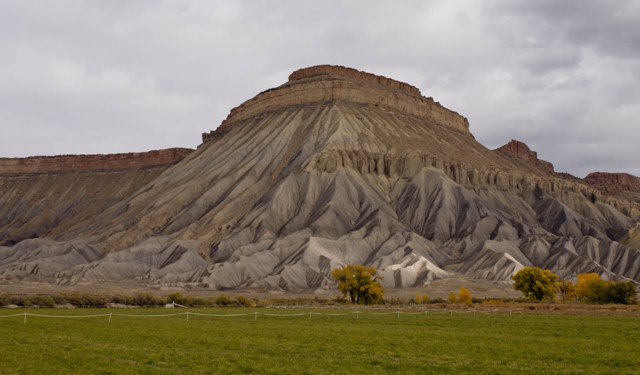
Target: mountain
(335, 166)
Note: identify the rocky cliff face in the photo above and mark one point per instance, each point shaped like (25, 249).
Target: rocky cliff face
(521, 151)
(338, 166)
(324, 84)
(91, 163)
(613, 183)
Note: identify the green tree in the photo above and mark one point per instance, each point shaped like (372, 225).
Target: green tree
(621, 292)
(536, 283)
(359, 282)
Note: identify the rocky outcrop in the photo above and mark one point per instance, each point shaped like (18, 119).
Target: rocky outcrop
(323, 71)
(521, 151)
(91, 163)
(613, 183)
(325, 84)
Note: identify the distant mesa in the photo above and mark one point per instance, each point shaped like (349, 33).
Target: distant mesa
(333, 167)
(92, 163)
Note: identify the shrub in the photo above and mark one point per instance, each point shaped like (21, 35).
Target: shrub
(421, 299)
(194, 301)
(246, 301)
(121, 299)
(225, 300)
(176, 297)
(43, 301)
(264, 303)
(145, 299)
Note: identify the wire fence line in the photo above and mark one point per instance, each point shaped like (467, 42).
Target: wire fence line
(256, 314)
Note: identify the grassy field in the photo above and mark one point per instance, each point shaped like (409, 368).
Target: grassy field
(317, 344)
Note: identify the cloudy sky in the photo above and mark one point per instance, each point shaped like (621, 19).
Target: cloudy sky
(117, 76)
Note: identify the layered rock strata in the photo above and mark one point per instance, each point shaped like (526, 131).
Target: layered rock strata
(320, 85)
(613, 183)
(91, 163)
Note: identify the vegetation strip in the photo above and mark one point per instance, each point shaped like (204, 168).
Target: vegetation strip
(257, 314)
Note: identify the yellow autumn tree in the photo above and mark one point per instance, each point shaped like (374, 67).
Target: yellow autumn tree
(464, 296)
(591, 288)
(567, 290)
(360, 283)
(536, 283)
(452, 297)
(421, 299)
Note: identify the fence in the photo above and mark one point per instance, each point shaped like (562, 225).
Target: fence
(256, 314)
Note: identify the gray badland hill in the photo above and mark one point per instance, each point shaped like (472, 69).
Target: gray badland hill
(335, 166)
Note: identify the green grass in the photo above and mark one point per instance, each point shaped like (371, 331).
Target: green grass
(322, 344)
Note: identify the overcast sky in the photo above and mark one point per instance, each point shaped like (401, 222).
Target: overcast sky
(83, 77)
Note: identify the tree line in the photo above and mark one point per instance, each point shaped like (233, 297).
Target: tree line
(362, 285)
(540, 284)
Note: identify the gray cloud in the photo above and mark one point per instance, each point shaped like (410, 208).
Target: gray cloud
(111, 76)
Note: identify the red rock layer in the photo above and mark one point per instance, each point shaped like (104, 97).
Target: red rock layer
(89, 163)
(341, 71)
(613, 183)
(521, 151)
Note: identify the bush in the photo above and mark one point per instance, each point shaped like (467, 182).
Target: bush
(225, 300)
(145, 299)
(264, 303)
(121, 300)
(176, 297)
(195, 301)
(421, 299)
(246, 301)
(43, 301)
